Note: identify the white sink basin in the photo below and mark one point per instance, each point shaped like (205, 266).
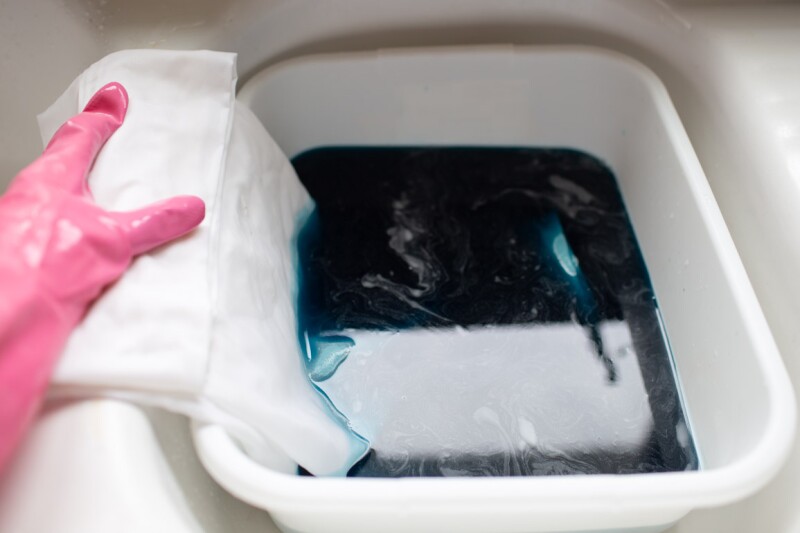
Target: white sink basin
(731, 72)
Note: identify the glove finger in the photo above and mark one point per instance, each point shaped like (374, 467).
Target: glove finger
(161, 222)
(68, 157)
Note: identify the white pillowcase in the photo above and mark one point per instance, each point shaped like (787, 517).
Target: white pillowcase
(206, 325)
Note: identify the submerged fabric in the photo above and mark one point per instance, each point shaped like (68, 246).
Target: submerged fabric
(205, 326)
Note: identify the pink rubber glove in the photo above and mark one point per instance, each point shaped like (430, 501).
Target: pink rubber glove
(59, 250)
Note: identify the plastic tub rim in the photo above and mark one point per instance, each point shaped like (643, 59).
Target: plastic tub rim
(680, 491)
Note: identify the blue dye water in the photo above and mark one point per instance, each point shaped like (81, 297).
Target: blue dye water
(484, 311)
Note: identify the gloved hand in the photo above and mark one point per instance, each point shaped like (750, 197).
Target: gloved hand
(59, 250)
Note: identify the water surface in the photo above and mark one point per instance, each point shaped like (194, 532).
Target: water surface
(484, 312)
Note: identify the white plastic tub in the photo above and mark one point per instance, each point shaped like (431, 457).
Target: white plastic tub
(738, 397)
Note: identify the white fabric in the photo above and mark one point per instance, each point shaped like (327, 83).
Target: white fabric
(205, 326)
(173, 141)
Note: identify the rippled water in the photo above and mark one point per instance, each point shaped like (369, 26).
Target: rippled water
(484, 311)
